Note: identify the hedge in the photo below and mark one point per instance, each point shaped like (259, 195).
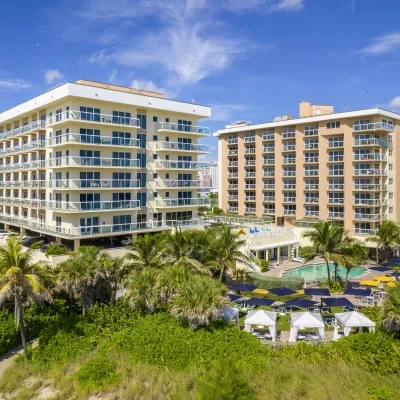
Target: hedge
(270, 282)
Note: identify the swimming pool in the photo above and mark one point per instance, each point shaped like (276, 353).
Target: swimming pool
(318, 272)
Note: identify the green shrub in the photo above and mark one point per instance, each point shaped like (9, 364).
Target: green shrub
(264, 265)
(9, 335)
(373, 313)
(55, 249)
(380, 393)
(270, 282)
(336, 287)
(98, 373)
(217, 211)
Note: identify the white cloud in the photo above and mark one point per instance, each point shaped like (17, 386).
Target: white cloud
(152, 87)
(113, 76)
(382, 44)
(228, 112)
(395, 103)
(14, 85)
(53, 75)
(287, 5)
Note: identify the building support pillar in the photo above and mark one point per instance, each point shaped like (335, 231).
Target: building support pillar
(77, 244)
(297, 250)
(58, 240)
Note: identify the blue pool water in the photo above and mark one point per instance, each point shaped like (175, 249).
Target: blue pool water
(318, 272)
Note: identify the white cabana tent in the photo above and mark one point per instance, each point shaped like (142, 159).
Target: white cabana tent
(230, 314)
(261, 317)
(302, 320)
(352, 319)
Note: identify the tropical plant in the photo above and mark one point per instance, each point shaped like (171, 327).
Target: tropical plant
(116, 271)
(387, 236)
(227, 250)
(21, 280)
(146, 251)
(199, 301)
(213, 200)
(55, 249)
(390, 315)
(82, 272)
(143, 291)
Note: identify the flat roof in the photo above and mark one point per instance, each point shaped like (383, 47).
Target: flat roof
(305, 120)
(73, 89)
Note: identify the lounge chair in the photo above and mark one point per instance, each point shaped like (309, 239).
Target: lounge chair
(317, 309)
(275, 308)
(311, 309)
(268, 336)
(298, 259)
(289, 309)
(325, 310)
(256, 230)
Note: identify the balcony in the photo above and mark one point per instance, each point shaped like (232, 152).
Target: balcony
(375, 126)
(29, 128)
(179, 184)
(336, 215)
(288, 135)
(250, 174)
(24, 202)
(269, 211)
(333, 145)
(168, 164)
(311, 146)
(369, 157)
(366, 202)
(233, 175)
(289, 147)
(91, 140)
(233, 209)
(233, 152)
(313, 214)
(233, 164)
(269, 186)
(96, 162)
(24, 148)
(268, 199)
(370, 142)
(233, 187)
(250, 186)
(311, 172)
(77, 207)
(289, 200)
(270, 161)
(336, 187)
(250, 210)
(249, 139)
(289, 173)
(370, 172)
(289, 161)
(310, 160)
(367, 217)
(94, 184)
(311, 187)
(335, 158)
(37, 164)
(250, 163)
(250, 198)
(179, 147)
(268, 149)
(233, 197)
(250, 151)
(336, 172)
(191, 202)
(367, 187)
(289, 186)
(311, 132)
(311, 200)
(367, 232)
(92, 118)
(233, 141)
(289, 212)
(334, 200)
(268, 137)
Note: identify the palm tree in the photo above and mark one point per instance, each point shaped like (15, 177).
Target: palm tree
(81, 272)
(199, 301)
(142, 289)
(387, 236)
(21, 280)
(390, 313)
(227, 250)
(179, 250)
(325, 239)
(146, 251)
(116, 270)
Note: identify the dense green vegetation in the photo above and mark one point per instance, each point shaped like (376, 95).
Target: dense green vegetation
(270, 282)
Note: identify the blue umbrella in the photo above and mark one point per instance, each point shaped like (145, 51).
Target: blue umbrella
(243, 287)
(337, 302)
(391, 263)
(396, 274)
(381, 269)
(301, 303)
(317, 292)
(358, 292)
(256, 301)
(282, 291)
(233, 297)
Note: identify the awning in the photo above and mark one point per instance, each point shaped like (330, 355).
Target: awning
(256, 301)
(317, 292)
(301, 303)
(243, 287)
(337, 302)
(358, 292)
(282, 291)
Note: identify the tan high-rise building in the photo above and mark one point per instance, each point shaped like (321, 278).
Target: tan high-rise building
(87, 160)
(323, 166)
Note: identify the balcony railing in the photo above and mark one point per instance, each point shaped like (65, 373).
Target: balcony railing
(64, 206)
(172, 126)
(250, 198)
(335, 187)
(370, 142)
(250, 186)
(288, 186)
(289, 200)
(370, 172)
(249, 139)
(268, 199)
(94, 184)
(288, 147)
(311, 187)
(233, 209)
(178, 184)
(268, 149)
(270, 161)
(192, 202)
(76, 138)
(73, 161)
(233, 198)
(367, 186)
(366, 202)
(311, 172)
(194, 147)
(250, 175)
(289, 212)
(268, 211)
(98, 118)
(233, 187)
(311, 146)
(269, 186)
(250, 210)
(233, 175)
(35, 125)
(311, 200)
(335, 172)
(367, 217)
(233, 163)
(332, 145)
(233, 141)
(336, 215)
(250, 151)
(375, 126)
(37, 164)
(309, 160)
(335, 158)
(23, 202)
(288, 135)
(369, 157)
(233, 152)
(289, 173)
(362, 231)
(308, 213)
(250, 163)
(167, 164)
(289, 161)
(335, 200)
(23, 148)
(268, 137)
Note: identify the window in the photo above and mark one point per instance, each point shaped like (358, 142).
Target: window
(166, 119)
(142, 198)
(184, 126)
(390, 167)
(121, 117)
(155, 137)
(142, 120)
(142, 160)
(141, 176)
(390, 153)
(390, 181)
(390, 210)
(311, 130)
(179, 216)
(89, 135)
(333, 125)
(142, 140)
(122, 223)
(90, 201)
(90, 114)
(88, 179)
(155, 194)
(155, 119)
(155, 176)
(390, 137)
(390, 195)
(155, 156)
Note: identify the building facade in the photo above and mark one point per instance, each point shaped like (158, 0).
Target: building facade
(87, 159)
(323, 166)
(214, 176)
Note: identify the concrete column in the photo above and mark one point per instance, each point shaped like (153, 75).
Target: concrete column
(77, 243)
(22, 231)
(297, 250)
(58, 240)
(278, 255)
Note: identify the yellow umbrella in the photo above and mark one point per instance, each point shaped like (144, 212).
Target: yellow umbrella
(392, 284)
(301, 291)
(369, 283)
(260, 291)
(383, 278)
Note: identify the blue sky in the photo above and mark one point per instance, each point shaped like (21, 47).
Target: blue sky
(248, 59)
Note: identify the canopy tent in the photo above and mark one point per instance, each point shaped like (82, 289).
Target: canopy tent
(353, 319)
(337, 302)
(302, 320)
(256, 301)
(317, 292)
(233, 297)
(301, 303)
(244, 287)
(261, 317)
(230, 314)
(282, 291)
(358, 292)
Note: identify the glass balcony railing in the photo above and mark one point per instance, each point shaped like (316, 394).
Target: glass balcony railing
(233, 187)
(172, 126)
(269, 211)
(370, 142)
(233, 209)
(311, 200)
(366, 202)
(269, 149)
(250, 198)
(374, 126)
(362, 231)
(233, 163)
(336, 200)
(371, 172)
(94, 184)
(194, 147)
(233, 197)
(35, 125)
(288, 186)
(335, 158)
(289, 199)
(23, 148)
(233, 175)
(268, 199)
(178, 184)
(367, 186)
(76, 138)
(74, 161)
(367, 217)
(269, 186)
(369, 157)
(168, 164)
(335, 144)
(311, 187)
(310, 160)
(289, 212)
(335, 187)
(311, 146)
(191, 202)
(308, 213)
(336, 215)
(92, 206)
